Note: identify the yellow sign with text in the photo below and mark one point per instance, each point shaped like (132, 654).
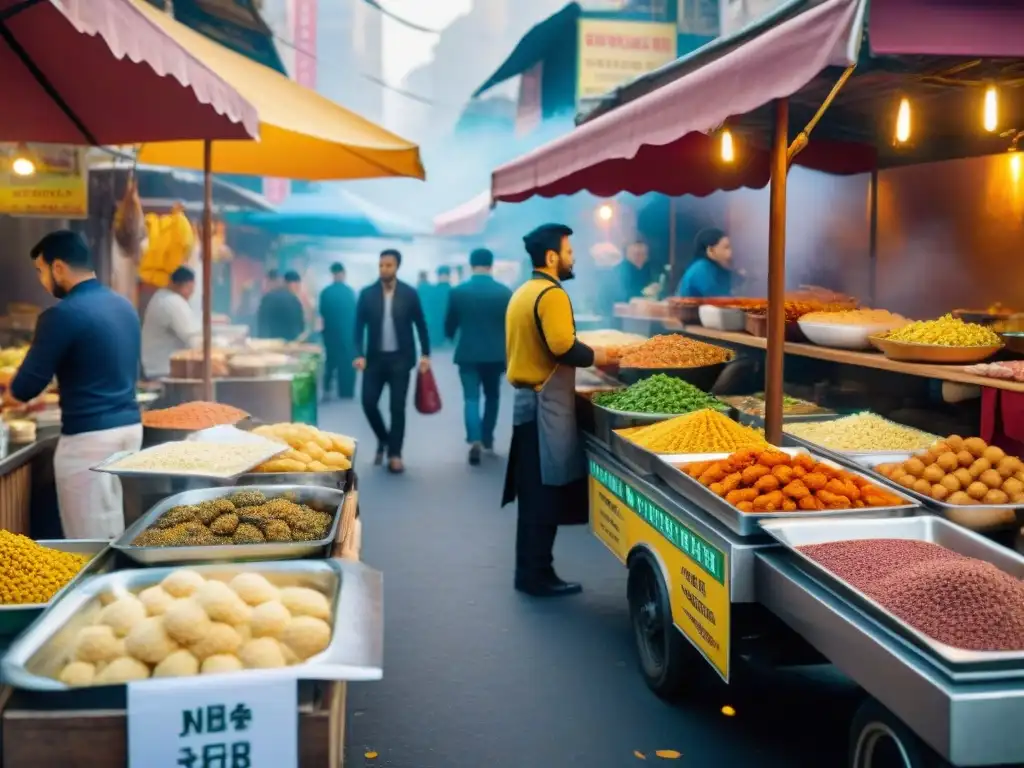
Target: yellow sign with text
(614, 52)
(697, 572)
(57, 187)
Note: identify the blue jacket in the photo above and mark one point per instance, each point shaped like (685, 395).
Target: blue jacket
(705, 279)
(476, 312)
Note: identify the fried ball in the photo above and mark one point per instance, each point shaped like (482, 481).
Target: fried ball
(253, 588)
(149, 641)
(996, 496)
(262, 653)
(922, 486)
(885, 470)
(122, 615)
(907, 480)
(221, 663)
(178, 664)
(95, 644)
(182, 582)
(964, 476)
(186, 621)
(306, 636)
(248, 498)
(960, 497)
(176, 516)
(964, 458)
(947, 462)
(940, 447)
(1009, 465)
(977, 490)
(247, 533)
(1017, 498)
(976, 446)
(914, 467)
(303, 601)
(225, 525)
(933, 474)
(991, 478)
(222, 604)
(156, 600)
(994, 454)
(950, 483)
(78, 673)
(978, 467)
(897, 472)
(1012, 486)
(277, 530)
(269, 619)
(939, 492)
(219, 639)
(123, 670)
(955, 442)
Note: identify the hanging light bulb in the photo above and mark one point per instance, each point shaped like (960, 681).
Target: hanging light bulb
(903, 121)
(22, 163)
(728, 150)
(605, 212)
(991, 114)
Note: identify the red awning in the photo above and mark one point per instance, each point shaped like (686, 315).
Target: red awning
(99, 72)
(975, 28)
(466, 219)
(660, 141)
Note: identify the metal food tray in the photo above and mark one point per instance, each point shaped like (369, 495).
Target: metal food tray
(34, 660)
(270, 550)
(14, 618)
(965, 665)
(749, 524)
(754, 420)
(333, 479)
(108, 465)
(959, 513)
(632, 455)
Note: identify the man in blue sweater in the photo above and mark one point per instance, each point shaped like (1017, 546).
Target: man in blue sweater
(90, 341)
(476, 312)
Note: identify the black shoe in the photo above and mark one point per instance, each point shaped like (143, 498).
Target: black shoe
(395, 465)
(474, 454)
(547, 587)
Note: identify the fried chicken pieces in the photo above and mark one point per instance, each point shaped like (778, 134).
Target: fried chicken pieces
(760, 481)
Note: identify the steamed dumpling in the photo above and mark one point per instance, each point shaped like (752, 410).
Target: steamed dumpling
(222, 662)
(95, 644)
(219, 639)
(306, 636)
(186, 621)
(123, 614)
(122, 670)
(178, 664)
(222, 604)
(269, 619)
(303, 601)
(149, 642)
(253, 588)
(156, 600)
(182, 582)
(262, 653)
(78, 673)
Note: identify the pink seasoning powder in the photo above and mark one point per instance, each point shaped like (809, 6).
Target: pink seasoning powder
(956, 600)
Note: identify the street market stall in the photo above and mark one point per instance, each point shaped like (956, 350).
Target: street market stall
(738, 550)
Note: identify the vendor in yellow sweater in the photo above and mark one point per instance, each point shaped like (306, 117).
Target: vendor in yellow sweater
(546, 466)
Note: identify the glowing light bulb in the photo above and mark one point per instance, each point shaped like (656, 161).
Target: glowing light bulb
(728, 150)
(991, 116)
(903, 122)
(1015, 166)
(23, 166)
(604, 212)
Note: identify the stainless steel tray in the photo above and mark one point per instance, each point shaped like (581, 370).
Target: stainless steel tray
(355, 653)
(976, 517)
(793, 533)
(632, 455)
(749, 524)
(277, 550)
(14, 618)
(338, 479)
(108, 465)
(753, 420)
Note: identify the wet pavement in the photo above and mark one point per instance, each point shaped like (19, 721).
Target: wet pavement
(478, 676)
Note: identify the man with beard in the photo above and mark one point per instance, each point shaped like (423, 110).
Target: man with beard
(386, 314)
(546, 466)
(90, 341)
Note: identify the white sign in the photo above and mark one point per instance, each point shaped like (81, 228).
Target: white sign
(209, 722)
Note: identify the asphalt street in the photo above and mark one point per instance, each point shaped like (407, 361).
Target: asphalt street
(479, 676)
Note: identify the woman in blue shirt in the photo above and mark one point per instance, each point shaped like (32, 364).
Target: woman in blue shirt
(710, 273)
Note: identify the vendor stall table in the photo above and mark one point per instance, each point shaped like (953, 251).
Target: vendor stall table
(17, 479)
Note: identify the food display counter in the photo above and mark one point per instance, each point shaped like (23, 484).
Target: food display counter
(272, 398)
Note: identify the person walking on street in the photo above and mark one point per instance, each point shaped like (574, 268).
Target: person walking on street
(476, 312)
(386, 314)
(90, 341)
(338, 312)
(281, 315)
(436, 308)
(546, 466)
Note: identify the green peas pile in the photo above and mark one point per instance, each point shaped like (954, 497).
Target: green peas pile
(658, 394)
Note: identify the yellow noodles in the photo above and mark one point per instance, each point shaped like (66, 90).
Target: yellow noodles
(705, 431)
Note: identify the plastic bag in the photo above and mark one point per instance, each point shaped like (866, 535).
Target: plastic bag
(428, 397)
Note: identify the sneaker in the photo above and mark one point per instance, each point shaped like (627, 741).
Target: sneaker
(474, 454)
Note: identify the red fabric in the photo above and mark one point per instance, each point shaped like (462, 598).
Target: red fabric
(118, 73)
(973, 28)
(428, 397)
(1002, 419)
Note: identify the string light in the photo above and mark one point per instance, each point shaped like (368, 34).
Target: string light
(903, 122)
(728, 150)
(991, 113)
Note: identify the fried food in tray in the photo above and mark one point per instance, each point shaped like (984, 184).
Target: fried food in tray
(763, 481)
(310, 449)
(245, 517)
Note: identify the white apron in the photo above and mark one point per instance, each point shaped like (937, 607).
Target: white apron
(90, 502)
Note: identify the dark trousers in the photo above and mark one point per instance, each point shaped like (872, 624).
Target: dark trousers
(338, 363)
(392, 371)
(477, 377)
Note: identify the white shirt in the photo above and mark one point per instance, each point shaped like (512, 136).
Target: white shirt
(388, 334)
(169, 325)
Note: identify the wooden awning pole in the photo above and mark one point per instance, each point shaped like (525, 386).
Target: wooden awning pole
(207, 261)
(873, 239)
(775, 354)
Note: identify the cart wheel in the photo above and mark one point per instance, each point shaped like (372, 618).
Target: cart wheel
(664, 654)
(879, 739)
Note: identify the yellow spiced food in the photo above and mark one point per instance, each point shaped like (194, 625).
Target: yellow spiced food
(31, 573)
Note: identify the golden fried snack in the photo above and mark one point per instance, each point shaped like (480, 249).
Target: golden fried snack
(767, 484)
(752, 474)
(281, 465)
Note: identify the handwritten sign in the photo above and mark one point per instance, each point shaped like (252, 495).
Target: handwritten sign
(208, 723)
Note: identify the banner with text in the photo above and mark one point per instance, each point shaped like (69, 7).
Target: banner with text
(613, 52)
(58, 187)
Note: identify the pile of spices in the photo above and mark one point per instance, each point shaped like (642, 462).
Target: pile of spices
(959, 601)
(673, 351)
(193, 416)
(705, 431)
(657, 394)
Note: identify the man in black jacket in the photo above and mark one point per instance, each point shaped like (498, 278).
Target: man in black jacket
(280, 315)
(386, 313)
